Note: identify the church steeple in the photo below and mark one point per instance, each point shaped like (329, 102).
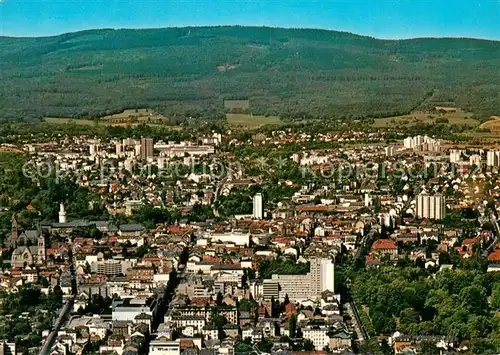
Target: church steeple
(14, 231)
(41, 249)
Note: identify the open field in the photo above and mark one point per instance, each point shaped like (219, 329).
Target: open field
(459, 118)
(485, 138)
(142, 115)
(63, 120)
(125, 119)
(249, 121)
(237, 104)
(13, 150)
(493, 124)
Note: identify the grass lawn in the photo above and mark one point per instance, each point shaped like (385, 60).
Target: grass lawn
(493, 124)
(125, 119)
(4, 151)
(248, 121)
(62, 120)
(459, 117)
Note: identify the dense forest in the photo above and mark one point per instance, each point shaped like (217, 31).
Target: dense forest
(294, 73)
(462, 303)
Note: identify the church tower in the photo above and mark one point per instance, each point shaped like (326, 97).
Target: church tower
(62, 213)
(14, 231)
(41, 249)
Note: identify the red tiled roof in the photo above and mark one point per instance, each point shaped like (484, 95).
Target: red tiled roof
(470, 241)
(201, 301)
(290, 308)
(384, 244)
(494, 256)
(313, 208)
(370, 259)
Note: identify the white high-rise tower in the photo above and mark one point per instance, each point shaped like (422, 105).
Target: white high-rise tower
(62, 213)
(257, 206)
(493, 158)
(430, 206)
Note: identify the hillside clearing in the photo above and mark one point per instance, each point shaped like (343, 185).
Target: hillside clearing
(249, 121)
(493, 124)
(459, 117)
(127, 118)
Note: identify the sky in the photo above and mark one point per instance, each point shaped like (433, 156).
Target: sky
(391, 19)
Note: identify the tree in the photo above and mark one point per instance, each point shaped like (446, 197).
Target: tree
(286, 300)
(408, 316)
(219, 299)
(428, 348)
(382, 323)
(479, 326)
(43, 281)
(265, 345)
(444, 258)
(495, 295)
(218, 322)
(293, 326)
(243, 346)
(473, 298)
(308, 345)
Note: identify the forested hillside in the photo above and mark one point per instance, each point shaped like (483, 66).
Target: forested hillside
(286, 72)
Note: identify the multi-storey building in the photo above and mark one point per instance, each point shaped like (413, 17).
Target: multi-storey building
(310, 286)
(270, 289)
(257, 206)
(318, 335)
(146, 148)
(455, 155)
(430, 206)
(493, 158)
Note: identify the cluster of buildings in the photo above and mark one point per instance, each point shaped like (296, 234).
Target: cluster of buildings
(202, 287)
(422, 144)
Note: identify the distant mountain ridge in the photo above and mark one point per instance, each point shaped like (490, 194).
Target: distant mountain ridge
(288, 72)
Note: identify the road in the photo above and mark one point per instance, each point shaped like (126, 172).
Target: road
(218, 189)
(172, 285)
(64, 313)
(351, 307)
(493, 221)
(358, 325)
(59, 322)
(365, 241)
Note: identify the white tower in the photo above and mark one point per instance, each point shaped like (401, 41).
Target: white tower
(137, 150)
(257, 206)
(62, 213)
(368, 200)
(161, 163)
(93, 149)
(127, 164)
(389, 151)
(455, 156)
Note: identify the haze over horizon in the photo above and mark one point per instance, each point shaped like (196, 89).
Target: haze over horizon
(381, 19)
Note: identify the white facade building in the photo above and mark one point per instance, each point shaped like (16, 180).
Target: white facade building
(493, 158)
(475, 159)
(164, 346)
(310, 286)
(431, 206)
(455, 155)
(257, 206)
(318, 336)
(62, 213)
(389, 151)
